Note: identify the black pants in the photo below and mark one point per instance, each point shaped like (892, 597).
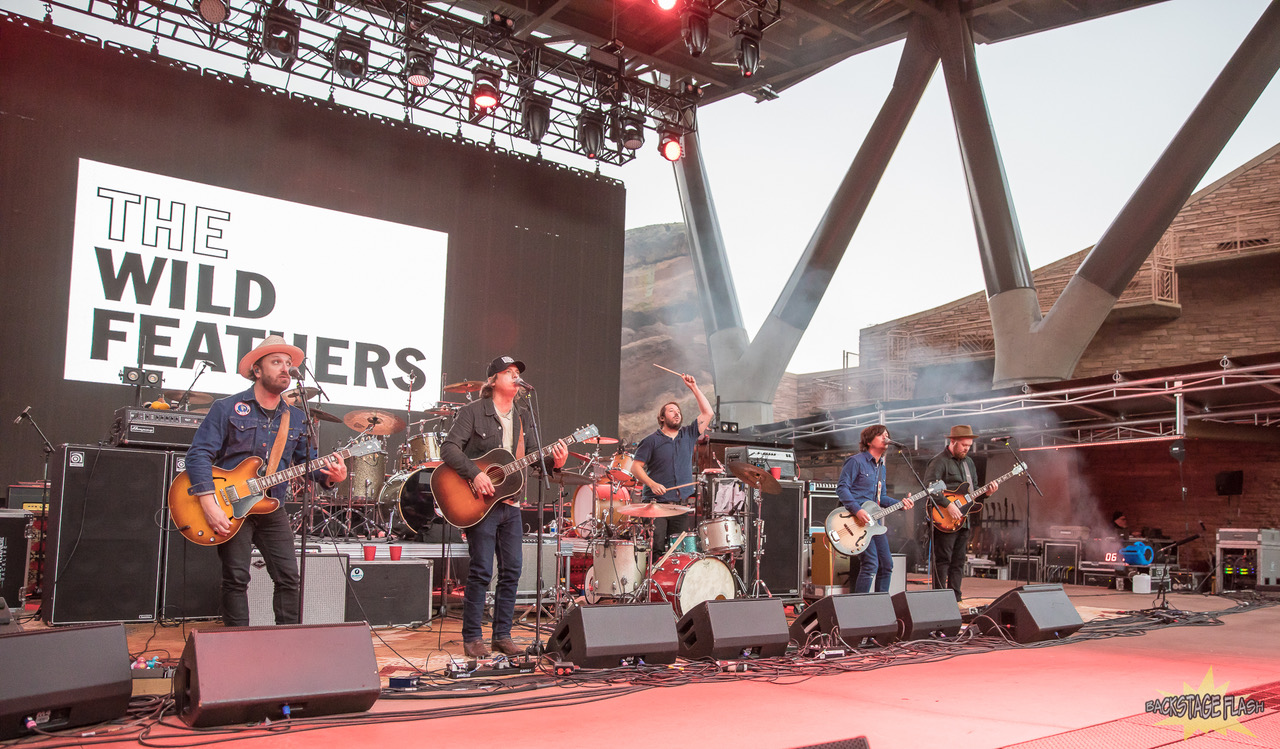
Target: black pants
(666, 528)
(950, 550)
(274, 538)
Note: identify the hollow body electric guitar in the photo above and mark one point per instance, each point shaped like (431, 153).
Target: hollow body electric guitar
(963, 498)
(849, 538)
(241, 491)
(456, 498)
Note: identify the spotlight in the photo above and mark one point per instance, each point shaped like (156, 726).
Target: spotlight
(666, 5)
(350, 56)
(748, 44)
(628, 130)
(499, 22)
(669, 145)
(213, 11)
(419, 66)
(484, 92)
(535, 115)
(695, 27)
(280, 35)
(590, 133)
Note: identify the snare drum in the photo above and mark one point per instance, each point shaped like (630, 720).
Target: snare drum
(424, 448)
(616, 570)
(689, 579)
(620, 469)
(365, 475)
(600, 502)
(720, 536)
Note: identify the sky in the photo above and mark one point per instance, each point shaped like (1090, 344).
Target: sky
(1081, 114)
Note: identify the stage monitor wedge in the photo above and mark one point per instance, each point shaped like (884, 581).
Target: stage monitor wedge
(611, 636)
(1031, 613)
(734, 628)
(927, 613)
(850, 617)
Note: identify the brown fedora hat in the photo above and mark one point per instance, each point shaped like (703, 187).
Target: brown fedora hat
(961, 431)
(273, 344)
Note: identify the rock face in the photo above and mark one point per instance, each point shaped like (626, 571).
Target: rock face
(661, 324)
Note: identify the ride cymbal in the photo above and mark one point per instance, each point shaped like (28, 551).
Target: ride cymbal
(653, 510)
(466, 386)
(374, 421)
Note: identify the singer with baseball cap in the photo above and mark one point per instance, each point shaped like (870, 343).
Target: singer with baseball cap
(863, 478)
(250, 424)
(493, 421)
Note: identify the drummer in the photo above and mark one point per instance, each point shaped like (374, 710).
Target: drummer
(665, 459)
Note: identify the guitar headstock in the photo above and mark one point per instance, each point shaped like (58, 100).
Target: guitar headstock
(365, 447)
(1019, 468)
(585, 433)
(937, 486)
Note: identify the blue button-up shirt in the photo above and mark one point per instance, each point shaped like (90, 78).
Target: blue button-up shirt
(862, 478)
(669, 461)
(236, 428)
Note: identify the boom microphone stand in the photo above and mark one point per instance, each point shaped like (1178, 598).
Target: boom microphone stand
(924, 487)
(1028, 483)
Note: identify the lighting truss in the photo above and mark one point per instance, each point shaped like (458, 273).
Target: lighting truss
(573, 78)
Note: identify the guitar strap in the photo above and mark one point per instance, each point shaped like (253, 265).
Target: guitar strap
(277, 448)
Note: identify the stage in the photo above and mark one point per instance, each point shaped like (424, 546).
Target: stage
(1092, 688)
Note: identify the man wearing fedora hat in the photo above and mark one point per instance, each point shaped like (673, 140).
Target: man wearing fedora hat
(246, 425)
(954, 466)
(480, 426)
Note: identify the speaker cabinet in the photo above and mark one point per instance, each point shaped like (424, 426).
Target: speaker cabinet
(782, 567)
(105, 516)
(1031, 613)
(63, 678)
(926, 613)
(386, 593)
(16, 539)
(848, 617)
(247, 674)
(191, 582)
(734, 628)
(324, 591)
(609, 636)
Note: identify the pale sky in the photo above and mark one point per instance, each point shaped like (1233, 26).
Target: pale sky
(1081, 114)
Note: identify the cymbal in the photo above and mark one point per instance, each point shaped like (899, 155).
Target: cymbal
(443, 409)
(580, 456)
(466, 386)
(754, 477)
(601, 440)
(570, 479)
(193, 399)
(294, 396)
(324, 416)
(653, 510)
(383, 423)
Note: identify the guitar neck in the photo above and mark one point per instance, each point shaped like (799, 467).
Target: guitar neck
(520, 464)
(896, 506)
(279, 477)
(994, 483)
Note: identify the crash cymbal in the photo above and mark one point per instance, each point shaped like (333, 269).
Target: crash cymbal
(653, 510)
(193, 399)
(601, 441)
(466, 386)
(754, 477)
(324, 416)
(382, 423)
(580, 456)
(443, 409)
(566, 478)
(294, 396)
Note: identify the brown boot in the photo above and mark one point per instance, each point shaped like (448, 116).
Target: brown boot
(475, 649)
(507, 646)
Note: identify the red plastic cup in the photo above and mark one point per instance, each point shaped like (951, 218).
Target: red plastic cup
(395, 552)
(776, 471)
(370, 551)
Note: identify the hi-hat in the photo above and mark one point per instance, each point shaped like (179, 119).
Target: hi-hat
(567, 478)
(755, 477)
(295, 396)
(374, 421)
(193, 399)
(466, 386)
(653, 510)
(443, 409)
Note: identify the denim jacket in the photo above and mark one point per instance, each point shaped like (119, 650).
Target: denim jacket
(236, 428)
(862, 478)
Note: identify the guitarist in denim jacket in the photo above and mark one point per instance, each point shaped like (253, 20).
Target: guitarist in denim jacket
(954, 466)
(480, 426)
(862, 478)
(242, 426)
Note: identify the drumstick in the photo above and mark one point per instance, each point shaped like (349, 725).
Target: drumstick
(664, 369)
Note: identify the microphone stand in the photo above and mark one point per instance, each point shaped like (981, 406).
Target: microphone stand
(923, 486)
(537, 648)
(186, 394)
(308, 493)
(1028, 483)
(44, 493)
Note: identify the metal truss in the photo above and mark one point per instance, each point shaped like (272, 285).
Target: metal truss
(385, 36)
(1149, 409)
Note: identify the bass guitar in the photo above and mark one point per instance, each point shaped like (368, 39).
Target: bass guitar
(964, 499)
(241, 491)
(849, 538)
(456, 498)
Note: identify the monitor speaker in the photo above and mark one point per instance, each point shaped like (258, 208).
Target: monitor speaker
(849, 617)
(63, 678)
(1031, 613)
(782, 567)
(609, 636)
(927, 613)
(734, 628)
(248, 674)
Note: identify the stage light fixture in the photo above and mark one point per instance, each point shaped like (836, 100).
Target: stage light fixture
(666, 5)
(484, 91)
(499, 22)
(535, 115)
(748, 50)
(628, 130)
(695, 27)
(213, 11)
(419, 66)
(280, 33)
(350, 56)
(670, 145)
(590, 133)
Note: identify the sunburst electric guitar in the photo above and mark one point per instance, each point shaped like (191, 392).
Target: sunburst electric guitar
(963, 498)
(849, 538)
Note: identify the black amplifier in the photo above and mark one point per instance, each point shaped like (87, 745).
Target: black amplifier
(144, 427)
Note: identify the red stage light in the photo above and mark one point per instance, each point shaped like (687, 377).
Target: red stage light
(666, 5)
(670, 147)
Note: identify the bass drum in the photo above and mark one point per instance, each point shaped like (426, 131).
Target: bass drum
(406, 500)
(689, 579)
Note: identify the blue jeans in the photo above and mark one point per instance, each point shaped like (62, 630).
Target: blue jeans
(274, 538)
(877, 564)
(498, 534)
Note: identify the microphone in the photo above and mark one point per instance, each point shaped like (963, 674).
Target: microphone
(295, 373)
(209, 364)
(1005, 438)
(23, 415)
(896, 443)
(522, 384)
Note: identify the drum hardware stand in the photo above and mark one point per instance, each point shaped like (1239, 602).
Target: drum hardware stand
(758, 552)
(644, 591)
(44, 494)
